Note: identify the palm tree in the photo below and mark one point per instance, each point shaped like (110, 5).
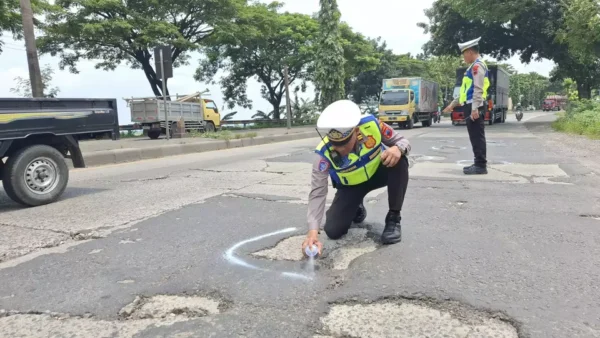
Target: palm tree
(229, 116)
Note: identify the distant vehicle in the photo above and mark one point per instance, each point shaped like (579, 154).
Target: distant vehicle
(498, 99)
(199, 114)
(36, 135)
(554, 103)
(408, 100)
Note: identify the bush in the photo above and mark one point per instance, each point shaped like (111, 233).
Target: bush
(581, 118)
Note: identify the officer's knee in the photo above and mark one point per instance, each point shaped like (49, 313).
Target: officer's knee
(335, 230)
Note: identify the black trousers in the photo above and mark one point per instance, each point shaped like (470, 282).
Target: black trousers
(476, 131)
(347, 198)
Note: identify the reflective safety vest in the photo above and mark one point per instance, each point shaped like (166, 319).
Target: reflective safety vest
(355, 169)
(466, 90)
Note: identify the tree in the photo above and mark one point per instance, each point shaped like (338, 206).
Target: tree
(581, 31)
(23, 87)
(360, 55)
(366, 87)
(10, 17)
(528, 27)
(259, 46)
(127, 31)
(442, 70)
(329, 77)
(229, 116)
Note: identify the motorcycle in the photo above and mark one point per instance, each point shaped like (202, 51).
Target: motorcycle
(519, 113)
(437, 117)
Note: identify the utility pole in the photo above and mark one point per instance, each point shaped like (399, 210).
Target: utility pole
(287, 98)
(35, 76)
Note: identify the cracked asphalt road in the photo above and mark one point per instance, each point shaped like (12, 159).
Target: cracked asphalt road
(515, 250)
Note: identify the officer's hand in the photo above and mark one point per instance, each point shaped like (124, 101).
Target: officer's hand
(474, 115)
(312, 238)
(391, 156)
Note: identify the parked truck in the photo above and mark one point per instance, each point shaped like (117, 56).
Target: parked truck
(554, 103)
(497, 97)
(407, 101)
(198, 113)
(37, 135)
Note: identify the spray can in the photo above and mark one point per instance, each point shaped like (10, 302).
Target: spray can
(311, 251)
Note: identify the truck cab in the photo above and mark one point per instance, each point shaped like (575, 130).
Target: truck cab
(408, 100)
(396, 106)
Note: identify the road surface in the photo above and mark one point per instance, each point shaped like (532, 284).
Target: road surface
(207, 245)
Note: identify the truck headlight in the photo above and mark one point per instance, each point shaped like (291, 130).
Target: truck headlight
(404, 113)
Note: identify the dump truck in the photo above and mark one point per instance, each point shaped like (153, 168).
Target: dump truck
(37, 135)
(408, 100)
(199, 113)
(498, 99)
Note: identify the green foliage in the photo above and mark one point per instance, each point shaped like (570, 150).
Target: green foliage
(23, 88)
(360, 55)
(442, 70)
(532, 28)
(581, 30)
(528, 89)
(115, 31)
(10, 17)
(329, 68)
(229, 116)
(582, 118)
(571, 89)
(259, 46)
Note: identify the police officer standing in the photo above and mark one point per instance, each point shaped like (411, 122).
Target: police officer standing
(360, 154)
(473, 95)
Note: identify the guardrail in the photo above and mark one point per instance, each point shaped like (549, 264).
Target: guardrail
(245, 123)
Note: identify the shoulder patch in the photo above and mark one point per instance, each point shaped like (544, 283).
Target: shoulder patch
(323, 165)
(475, 69)
(386, 130)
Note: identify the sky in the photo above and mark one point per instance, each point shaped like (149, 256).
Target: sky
(395, 21)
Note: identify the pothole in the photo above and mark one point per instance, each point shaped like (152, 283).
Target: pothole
(596, 217)
(168, 306)
(142, 314)
(406, 318)
(337, 254)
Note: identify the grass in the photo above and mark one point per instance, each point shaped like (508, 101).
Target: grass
(581, 118)
(224, 135)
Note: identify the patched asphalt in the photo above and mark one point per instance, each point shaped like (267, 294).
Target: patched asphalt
(479, 257)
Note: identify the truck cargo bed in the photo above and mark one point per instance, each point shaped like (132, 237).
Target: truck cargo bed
(22, 117)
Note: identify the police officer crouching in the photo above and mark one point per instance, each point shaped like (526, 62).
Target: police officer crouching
(473, 95)
(360, 154)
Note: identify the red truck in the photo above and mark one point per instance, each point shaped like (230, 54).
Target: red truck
(554, 102)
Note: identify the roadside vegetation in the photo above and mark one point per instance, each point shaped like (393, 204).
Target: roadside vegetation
(224, 135)
(581, 118)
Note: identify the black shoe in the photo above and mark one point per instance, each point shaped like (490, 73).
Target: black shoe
(361, 214)
(475, 170)
(392, 233)
(468, 167)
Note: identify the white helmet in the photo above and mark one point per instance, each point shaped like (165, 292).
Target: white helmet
(339, 119)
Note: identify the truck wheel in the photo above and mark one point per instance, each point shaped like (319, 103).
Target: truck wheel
(154, 134)
(410, 124)
(492, 117)
(210, 127)
(35, 175)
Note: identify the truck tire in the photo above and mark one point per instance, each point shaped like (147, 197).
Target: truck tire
(428, 122)
(503, 116)
(210, 127)
(35, 175)
(153, 134)
(492, 118)
(410, 124)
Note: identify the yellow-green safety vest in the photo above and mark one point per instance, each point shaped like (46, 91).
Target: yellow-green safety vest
(466, 90)
(356, 169)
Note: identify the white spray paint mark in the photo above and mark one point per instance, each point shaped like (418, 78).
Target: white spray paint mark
(295, 275)
(229, 254)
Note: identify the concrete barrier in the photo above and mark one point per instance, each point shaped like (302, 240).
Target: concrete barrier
(98, 158)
